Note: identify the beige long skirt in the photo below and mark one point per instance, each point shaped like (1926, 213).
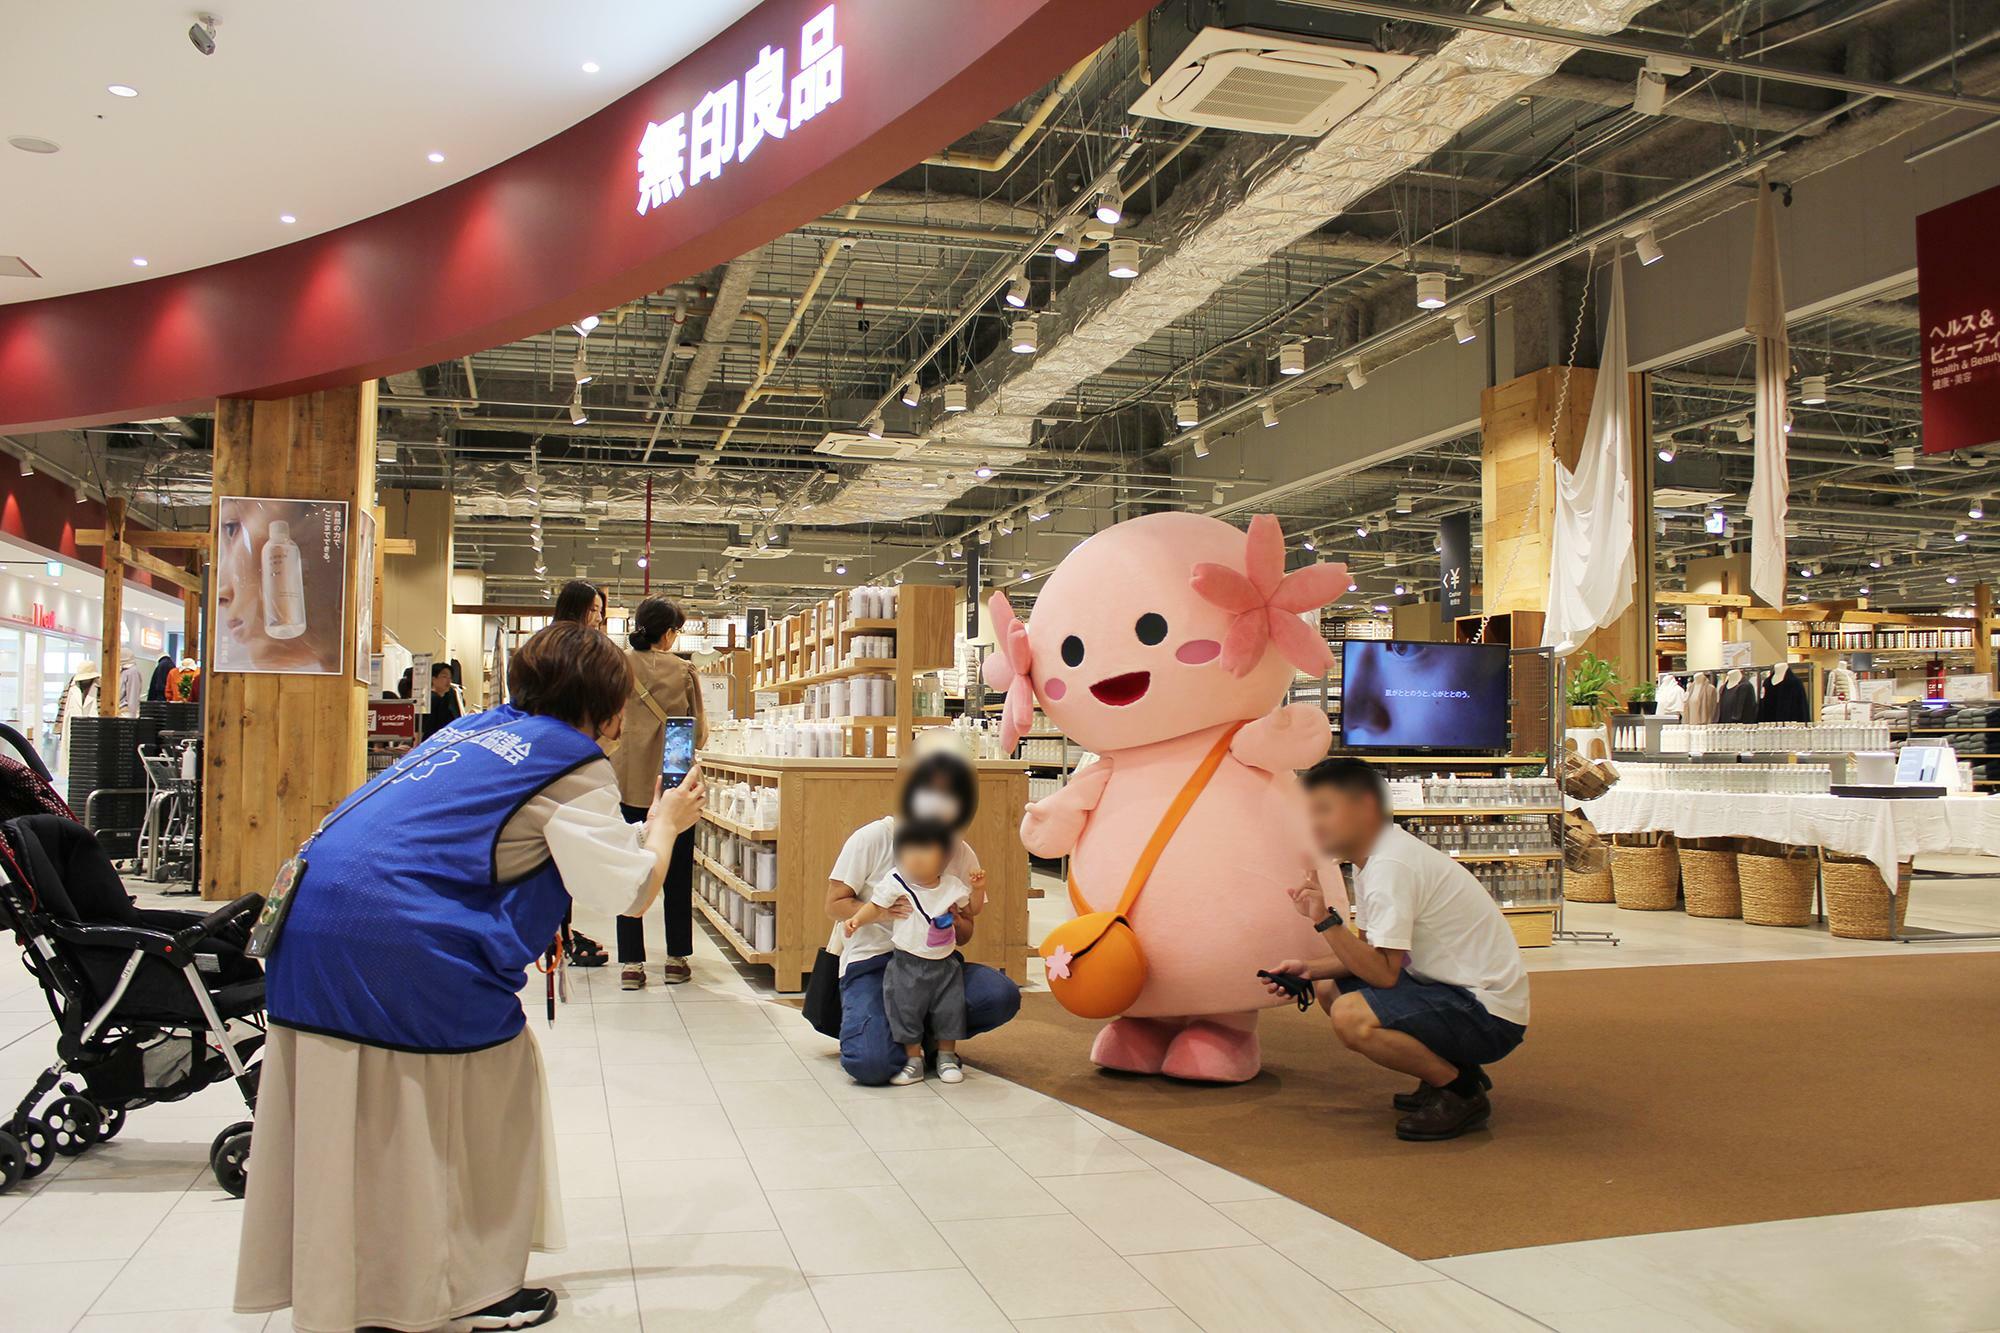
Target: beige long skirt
(392, 1189)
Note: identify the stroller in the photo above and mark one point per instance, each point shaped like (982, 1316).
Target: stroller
(150, 1006)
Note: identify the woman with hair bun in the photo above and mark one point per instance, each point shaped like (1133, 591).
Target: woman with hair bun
(663, 686)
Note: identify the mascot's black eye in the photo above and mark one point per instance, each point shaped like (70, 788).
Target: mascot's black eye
(1152, 627)
(1072, 651)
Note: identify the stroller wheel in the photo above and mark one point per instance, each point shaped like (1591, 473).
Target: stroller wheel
(229, 1158)
(73, 1123)
(33, 1136)
(11, 1158)
(113, 1120)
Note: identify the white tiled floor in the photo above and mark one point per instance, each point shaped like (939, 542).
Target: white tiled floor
(720, 1172)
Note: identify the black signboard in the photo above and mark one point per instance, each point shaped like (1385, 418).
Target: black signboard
(1455, 563)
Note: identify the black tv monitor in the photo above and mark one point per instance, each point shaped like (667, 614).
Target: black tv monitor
(1424, 697)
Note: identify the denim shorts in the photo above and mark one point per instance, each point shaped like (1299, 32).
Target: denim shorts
(1446, 1018)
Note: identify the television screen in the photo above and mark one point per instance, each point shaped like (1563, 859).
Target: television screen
(1423, 696)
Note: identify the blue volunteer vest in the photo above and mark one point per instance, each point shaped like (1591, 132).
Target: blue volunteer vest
(401, 933)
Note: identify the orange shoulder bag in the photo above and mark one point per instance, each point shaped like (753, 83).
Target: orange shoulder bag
(1096, 967)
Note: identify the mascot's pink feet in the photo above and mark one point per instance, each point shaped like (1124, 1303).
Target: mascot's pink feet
(1134, 1045)
(1209, 1052)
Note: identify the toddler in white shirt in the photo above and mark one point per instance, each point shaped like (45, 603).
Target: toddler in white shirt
(923, 986)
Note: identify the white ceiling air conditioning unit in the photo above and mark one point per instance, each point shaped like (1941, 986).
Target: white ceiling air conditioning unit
(1266, 83)
(860, 445)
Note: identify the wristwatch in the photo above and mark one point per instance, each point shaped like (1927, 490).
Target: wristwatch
(1332, 920)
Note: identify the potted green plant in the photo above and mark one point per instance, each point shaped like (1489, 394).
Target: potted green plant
(1592, 685)
(1643, 697)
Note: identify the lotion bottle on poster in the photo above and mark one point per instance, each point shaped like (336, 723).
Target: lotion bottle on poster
(284, 585)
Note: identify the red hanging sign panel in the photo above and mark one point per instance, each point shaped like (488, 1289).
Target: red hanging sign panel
(1958, 300)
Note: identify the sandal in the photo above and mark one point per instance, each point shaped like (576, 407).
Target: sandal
(585, 951)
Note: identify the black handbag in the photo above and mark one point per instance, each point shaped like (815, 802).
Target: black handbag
(822, 1002)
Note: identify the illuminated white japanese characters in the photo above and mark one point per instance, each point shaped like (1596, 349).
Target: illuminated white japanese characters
(729, 124)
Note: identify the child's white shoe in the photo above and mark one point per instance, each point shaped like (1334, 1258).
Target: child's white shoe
(949, 1068)
(911, 1072)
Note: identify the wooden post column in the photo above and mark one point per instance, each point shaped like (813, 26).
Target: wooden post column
(279, 751)
(112, 643)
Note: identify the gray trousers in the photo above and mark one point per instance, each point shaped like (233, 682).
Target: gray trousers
(920, 994)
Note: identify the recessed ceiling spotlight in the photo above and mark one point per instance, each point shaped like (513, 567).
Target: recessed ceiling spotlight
(1400, 590)
(1863, 590)
(1874, 564)
(1430, 291)
(591, 67)
(1647, 246)
(1812, 390)
(1110, 207)
(1124, 257)
(1951, 578)
(1292, 359)
(434, 158)
(138, 261)
(1461, 328)
(1959, 534)
(982, 472)
(122, 90)
(1270, 415)
(644, 561)
(287, 218)
(840, 569)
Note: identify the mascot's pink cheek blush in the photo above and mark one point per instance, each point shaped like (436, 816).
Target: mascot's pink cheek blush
(1196, 651)
(1055, 689)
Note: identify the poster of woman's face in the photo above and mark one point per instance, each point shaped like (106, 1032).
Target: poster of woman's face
(280, 585)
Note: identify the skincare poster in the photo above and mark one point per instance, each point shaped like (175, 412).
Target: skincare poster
(280, 585)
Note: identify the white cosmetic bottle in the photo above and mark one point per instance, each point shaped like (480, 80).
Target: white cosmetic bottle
(284, 585)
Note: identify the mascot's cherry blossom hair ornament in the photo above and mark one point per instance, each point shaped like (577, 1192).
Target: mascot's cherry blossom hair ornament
(1267, 603)
(1010, 667)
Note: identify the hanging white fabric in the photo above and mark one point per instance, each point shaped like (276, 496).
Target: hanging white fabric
(1771, 481)
(1590, 559)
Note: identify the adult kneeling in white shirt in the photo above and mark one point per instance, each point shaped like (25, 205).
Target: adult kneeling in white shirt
(1433, 985)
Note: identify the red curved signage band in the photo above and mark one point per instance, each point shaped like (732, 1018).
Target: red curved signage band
(556, 232)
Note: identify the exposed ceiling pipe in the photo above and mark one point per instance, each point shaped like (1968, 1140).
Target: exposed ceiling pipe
(1626, 46)
(730, 294)
(1048, 107)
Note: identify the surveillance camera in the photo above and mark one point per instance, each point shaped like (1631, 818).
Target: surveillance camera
(202, 34)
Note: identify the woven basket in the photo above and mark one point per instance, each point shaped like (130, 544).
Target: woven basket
(1588, 879)
(1708, 878)
(1645, 878)
(1776, 882)
(1858, 904)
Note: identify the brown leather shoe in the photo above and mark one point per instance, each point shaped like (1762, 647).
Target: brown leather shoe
(1415, 1099)
(1445, 1116)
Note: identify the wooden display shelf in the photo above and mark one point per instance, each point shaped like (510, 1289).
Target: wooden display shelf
(823, 801)
(733, 881)
(731, 937)
(1533, 927)
(1435, 810)
(1504, 856)
(740, 830)
(1451, 760)
(799, 652)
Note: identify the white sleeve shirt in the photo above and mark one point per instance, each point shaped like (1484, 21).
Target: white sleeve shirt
(1412, 897)
(867, 857)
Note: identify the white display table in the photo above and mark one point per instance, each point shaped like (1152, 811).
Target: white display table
(1886, 832)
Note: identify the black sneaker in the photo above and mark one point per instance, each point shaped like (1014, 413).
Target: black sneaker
(1414, 1101)
(1445, 1116)
(524, 1309)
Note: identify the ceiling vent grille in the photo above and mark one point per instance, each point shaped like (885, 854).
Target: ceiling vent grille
(859, 445)
(1262, 83)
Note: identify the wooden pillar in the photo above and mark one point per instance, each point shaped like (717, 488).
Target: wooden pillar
(191, 605)
(280, 751)
(1518, 502)
(114, 606)
(1982, 634)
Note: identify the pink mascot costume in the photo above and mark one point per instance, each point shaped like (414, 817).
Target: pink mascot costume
(1165, 644)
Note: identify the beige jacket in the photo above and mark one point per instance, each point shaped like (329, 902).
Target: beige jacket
(670, 681)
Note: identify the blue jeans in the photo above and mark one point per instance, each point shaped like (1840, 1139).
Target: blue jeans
(870, 1055)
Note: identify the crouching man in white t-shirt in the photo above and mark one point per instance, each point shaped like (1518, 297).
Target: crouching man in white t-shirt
(1433, 985)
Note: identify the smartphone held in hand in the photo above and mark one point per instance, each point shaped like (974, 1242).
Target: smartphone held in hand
(677, 752)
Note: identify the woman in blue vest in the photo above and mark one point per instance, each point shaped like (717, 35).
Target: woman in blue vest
(403, 1165)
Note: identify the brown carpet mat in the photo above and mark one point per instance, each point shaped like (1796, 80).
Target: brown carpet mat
(1644, 1099)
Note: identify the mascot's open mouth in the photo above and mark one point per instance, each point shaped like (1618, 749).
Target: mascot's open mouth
(1121, 690)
